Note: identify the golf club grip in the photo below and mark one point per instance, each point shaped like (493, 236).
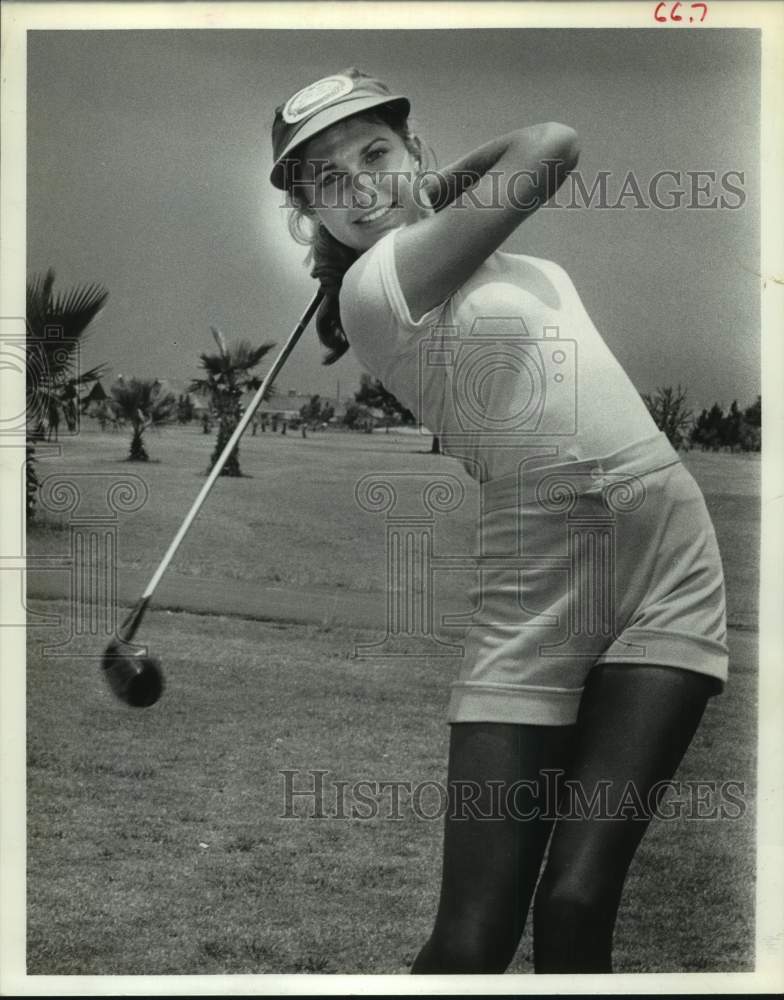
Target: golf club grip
(278, 363)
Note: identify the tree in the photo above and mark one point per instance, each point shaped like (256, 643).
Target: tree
(373, 394)
(751, 427)
(185, 409)
(750, 437)
(31, 480)
(142, 403)
(56, 326)
(737, 428)
(357, 416)
(228, 377)
(753, 414)
(708, 428)
(669, 412)
(316, 411)
(732, 427)
(311, 411)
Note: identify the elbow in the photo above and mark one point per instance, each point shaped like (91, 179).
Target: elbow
(547, 153)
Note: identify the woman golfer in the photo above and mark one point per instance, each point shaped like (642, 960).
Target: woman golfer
(590, 658)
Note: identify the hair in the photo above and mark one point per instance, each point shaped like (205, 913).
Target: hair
(330, 259)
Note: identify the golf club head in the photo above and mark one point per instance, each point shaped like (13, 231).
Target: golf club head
(135, 678)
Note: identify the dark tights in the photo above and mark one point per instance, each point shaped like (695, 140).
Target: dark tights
(634, 726)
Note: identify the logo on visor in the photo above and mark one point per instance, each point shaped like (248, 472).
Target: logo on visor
(315, 96)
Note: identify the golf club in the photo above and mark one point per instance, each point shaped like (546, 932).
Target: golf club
(134, 676)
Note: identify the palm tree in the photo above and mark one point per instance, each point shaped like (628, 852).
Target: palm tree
(142, 403)
(56, 324)
(228, 377)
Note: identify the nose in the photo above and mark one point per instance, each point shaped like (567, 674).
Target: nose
(365, 190)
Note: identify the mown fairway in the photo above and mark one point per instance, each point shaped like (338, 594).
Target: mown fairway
(157, 839)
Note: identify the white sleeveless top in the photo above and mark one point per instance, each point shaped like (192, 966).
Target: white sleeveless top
(509, 367)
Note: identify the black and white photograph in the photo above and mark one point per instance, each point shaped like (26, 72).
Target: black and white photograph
(392, 490)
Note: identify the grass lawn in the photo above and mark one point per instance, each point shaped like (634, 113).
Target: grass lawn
(294, 518)
(157, 842)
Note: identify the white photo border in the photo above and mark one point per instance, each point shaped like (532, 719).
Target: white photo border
(18, 18)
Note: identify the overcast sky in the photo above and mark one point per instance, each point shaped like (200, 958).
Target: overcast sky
(149, 151)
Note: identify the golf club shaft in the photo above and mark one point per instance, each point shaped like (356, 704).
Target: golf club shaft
(296, 333)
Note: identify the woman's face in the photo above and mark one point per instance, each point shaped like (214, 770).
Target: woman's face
(357, 178)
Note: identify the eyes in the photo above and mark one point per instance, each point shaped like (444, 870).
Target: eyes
(329, 178)
(376, 154)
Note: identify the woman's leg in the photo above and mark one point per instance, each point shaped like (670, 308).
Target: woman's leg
(635, 724)
(490, 864)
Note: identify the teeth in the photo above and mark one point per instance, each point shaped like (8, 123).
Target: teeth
(377, 214)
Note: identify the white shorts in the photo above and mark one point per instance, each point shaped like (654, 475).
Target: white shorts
(609, 560)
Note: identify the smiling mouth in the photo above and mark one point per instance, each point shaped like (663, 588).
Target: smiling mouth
(376, 215)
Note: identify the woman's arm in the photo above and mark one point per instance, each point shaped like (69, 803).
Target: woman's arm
(482, 198)
(444, 184)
